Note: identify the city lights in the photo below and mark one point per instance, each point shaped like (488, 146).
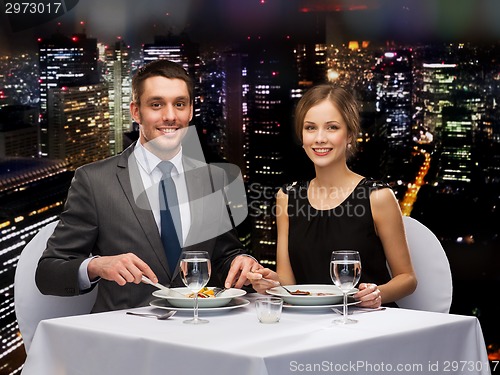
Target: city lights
(430, 119)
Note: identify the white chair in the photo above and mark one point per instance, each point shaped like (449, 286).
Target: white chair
(31, 306)
(435, 288)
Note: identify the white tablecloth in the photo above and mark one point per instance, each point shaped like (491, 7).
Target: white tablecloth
(394, 341)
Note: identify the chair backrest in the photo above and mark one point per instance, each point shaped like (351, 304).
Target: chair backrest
(31, 306)
(435, 288)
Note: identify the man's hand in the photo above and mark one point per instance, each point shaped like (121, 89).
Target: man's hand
(122, 269)
(237, 275)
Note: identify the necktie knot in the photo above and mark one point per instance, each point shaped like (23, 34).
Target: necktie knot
(166, 168)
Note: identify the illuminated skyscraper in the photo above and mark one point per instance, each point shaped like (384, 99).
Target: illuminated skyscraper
(311, 62)
(177, 48)
(65, 62)
(79, 124)
(439, 80)
(119, 82)
(454, 98)
(456, 138)
(236, 90)
(271, 74)
(393, 81)
(32, 193)
(168, 48)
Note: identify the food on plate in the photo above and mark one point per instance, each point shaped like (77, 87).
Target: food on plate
(301, 293)
(203, 293)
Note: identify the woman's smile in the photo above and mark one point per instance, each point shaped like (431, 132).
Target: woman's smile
(322, 151)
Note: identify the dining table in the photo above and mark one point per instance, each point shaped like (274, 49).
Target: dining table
(304, 341)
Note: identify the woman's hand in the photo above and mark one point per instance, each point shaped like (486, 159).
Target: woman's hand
(369, 295)
(263, 279)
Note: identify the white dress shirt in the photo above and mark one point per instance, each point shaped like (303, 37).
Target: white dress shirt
(151, 177)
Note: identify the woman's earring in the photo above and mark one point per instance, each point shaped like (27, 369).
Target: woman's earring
(349, 145)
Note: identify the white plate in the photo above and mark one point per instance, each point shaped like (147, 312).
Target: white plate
(233, 304)
(181, 298)
(334, 294)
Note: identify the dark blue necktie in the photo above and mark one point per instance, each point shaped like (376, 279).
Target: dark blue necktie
(171, 228)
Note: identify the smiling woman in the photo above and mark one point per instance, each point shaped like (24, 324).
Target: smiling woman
(325, 136)
(338, 209)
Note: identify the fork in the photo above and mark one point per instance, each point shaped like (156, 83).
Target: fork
(277, 283)
(218, 291)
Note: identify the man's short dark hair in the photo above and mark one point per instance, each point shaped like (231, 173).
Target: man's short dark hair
(162, 68)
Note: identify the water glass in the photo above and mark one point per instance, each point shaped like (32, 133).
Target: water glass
(269, 309)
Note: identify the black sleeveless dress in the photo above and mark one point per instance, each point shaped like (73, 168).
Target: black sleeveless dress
(314, 234)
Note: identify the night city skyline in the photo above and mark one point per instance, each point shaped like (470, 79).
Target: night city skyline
(227, 21)
(426, 74)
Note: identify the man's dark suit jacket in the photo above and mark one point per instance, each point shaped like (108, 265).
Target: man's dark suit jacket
(105, 214)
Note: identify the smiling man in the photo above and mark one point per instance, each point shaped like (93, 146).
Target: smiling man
(111, 235)
(163, 108)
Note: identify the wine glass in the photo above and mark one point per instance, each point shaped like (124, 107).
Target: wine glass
(345, 271)
(195, 272)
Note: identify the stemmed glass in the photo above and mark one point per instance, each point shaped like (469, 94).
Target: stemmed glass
(195, 272)
(345, 271)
